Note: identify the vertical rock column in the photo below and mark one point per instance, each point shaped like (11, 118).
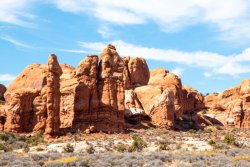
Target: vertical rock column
(111, 91)
(53, 96)
(86, 101)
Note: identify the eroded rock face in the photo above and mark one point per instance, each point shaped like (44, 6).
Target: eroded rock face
(192, 99)
(158, 104)
(136, 72)
(68, 72)
(233, 104)
(22, 104)
(53, 96)
(2, 91)
(86, 103)
(97, 96)
(111, 91)
(19, 112)
(165, 79)
(132, 104)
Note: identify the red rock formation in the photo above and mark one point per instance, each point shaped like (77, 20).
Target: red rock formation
(20, 107)
(68, 72)
(161, 99)
(165, 79)
(2, 91)
(192, 99)
(96, 97)
(132, 104)
(232, 105)
(53, 96)
(158, 104)
(111, 91)
(86, 96)
(19, 111)
(136, 72)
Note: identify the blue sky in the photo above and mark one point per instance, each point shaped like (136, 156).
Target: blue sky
(205, 42)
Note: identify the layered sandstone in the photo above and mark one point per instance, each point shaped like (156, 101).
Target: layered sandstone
(2, 91)
(232, 105)
(111, 91)
(166, 80)
(136, 72)
(160, 100)
(100, 94)
(192, 99)
(22, 108)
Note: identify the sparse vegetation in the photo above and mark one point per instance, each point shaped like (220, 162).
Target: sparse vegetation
(90, 149)
(211, 143)
(68, 148)
(229, 139)
(150, 145)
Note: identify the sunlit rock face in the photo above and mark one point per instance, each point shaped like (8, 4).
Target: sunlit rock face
(233, 104)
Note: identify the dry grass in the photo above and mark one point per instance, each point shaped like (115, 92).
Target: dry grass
(64, 160)
(239, 158)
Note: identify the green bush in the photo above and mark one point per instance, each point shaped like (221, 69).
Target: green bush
(69, 148)
(121, 147)
(90, 149)
(5, 148)
(230, 139)
(33, 140)
(211, 143)
(137, 145)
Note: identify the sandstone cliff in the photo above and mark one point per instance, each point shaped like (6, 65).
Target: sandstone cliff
(231, 106)
(104, 94)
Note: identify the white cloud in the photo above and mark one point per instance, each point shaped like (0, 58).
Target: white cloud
(72, 50)
(207, 74)
(178, 71)
(7, 77)
(15, 42)
(214, 63)
(15, 12)
(105, 31)
(230, 17)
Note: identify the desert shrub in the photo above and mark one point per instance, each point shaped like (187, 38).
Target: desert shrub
(26, 149)
(192, 131)
(209, 130)
(5, 147)
(163, 145)
(229, 139)
(90, 149)
(204, 111)
(121, 147)
(218, 128)
(137, 145)
(211, 142)
(68, 148)
(39, 149)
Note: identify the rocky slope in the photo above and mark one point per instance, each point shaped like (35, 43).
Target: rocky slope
(109, 94)
(232, 106)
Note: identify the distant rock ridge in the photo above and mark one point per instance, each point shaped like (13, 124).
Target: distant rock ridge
(104, 94)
